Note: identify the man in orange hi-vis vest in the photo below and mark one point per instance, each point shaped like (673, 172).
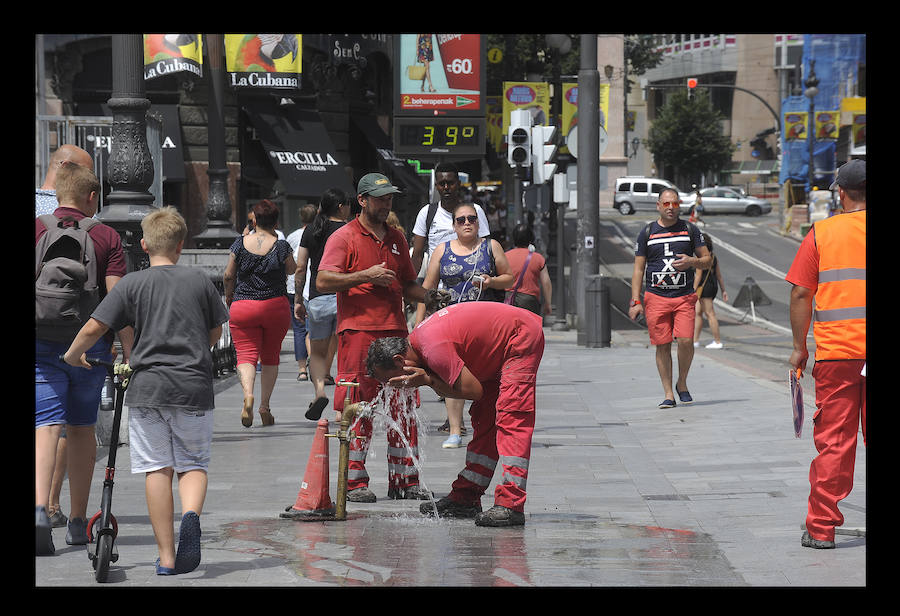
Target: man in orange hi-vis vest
(830, 267)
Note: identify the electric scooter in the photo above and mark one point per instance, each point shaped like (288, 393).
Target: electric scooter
(102, 528)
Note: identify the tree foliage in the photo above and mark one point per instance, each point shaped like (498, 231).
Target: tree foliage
(687, 134)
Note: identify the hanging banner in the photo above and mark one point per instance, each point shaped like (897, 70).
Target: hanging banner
(264, 61)
(494, 118)
(795, 125)
(827, 125)
(533, 96)
(569, 118)
(165, 54)
(859, 129)
(439, 74)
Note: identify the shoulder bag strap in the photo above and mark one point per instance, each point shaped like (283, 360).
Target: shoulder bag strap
(515, 290)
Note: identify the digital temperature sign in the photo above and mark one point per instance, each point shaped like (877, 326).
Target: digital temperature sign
(453, 136)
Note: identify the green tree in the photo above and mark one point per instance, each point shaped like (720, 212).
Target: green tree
(687, 134)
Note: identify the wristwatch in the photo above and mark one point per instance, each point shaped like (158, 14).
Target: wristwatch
(634, 302)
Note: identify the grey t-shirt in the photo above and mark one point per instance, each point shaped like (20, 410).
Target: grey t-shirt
(172, 309)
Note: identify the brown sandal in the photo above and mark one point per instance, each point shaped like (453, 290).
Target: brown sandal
(267, 418)
(247, 412)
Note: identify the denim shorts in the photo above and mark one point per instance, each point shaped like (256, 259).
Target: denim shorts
(322, 313)
(169, 438)
(65, 394)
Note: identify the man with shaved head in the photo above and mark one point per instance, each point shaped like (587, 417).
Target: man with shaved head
(45, 197)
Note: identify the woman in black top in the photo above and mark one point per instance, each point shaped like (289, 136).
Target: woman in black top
(321, 309)
(260, 314)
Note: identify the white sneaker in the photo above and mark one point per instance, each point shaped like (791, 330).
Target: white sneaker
(714, 345)
(452, 442)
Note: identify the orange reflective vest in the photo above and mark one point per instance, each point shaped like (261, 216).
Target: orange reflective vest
(840, 316)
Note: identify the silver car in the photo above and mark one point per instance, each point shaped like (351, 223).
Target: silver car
(720, 200)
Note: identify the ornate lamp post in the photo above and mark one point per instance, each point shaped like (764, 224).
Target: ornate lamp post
(130, 168)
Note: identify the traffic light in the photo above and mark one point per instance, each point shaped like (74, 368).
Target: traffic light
(519, 139)
(692, 86)
(543, 152)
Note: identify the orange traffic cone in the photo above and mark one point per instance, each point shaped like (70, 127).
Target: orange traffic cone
(313, 498)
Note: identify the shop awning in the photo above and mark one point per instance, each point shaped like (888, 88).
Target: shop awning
(299, 149)
(396, 168)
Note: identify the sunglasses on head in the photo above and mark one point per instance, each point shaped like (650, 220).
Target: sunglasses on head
(471, 218)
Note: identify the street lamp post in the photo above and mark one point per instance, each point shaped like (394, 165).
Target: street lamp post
(561, 44)
(811, 91)
(130, 167)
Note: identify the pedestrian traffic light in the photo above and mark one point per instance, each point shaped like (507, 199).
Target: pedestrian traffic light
(692, 86)
(519, 139)
(543, 152)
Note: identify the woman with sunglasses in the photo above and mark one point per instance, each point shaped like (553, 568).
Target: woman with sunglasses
(471, 268)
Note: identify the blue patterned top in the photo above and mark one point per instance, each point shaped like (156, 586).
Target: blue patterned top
(456, 271)
(260, 276)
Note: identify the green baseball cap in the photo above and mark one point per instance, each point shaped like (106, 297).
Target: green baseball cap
(377, 185)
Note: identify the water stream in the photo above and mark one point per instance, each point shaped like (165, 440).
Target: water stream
(379, 411)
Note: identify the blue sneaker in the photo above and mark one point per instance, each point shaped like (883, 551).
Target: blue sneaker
(667, 403)
(163, 570)
(43, 537)
(188, 555)
(76, 532)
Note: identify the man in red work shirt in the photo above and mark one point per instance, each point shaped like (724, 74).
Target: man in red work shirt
(487, 352)
(366, 263)
(830, 268)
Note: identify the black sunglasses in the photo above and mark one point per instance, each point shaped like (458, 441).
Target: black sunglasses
(471, 218)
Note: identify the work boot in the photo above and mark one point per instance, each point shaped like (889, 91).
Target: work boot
(361, 495)
(808, 542)
(409, 493)
(43, 537)
(500, 516)
(447, 508)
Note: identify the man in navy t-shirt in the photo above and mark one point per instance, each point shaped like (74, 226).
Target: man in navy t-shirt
(666, 253)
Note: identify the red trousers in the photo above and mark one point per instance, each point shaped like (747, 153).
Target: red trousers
(840, 410)
(353, 347)
(502, 427)
(258, 328)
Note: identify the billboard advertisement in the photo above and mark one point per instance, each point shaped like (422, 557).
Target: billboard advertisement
(439, 74)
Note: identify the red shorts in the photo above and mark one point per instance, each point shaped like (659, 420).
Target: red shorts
(668, 316)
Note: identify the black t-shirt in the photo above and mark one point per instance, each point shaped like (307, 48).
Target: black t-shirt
(316, 249)
(661, 245)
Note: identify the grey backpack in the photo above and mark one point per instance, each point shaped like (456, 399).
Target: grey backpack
(65, 278)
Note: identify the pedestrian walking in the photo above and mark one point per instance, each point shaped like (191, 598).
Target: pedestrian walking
(666, 253)
(177, 315)
(531, 288)
(320, 310)
(706, 285)
(489, 353)
(298, 326)
(830, 270)
(256, 292)
(68, 285)
(367, 264)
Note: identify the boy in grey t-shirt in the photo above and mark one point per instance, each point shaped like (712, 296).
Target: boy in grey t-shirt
(177, 315)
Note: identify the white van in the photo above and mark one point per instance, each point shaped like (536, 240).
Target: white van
(634, 193)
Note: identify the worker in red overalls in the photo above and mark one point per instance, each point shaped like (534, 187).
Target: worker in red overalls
(488, 352)
(830, 268)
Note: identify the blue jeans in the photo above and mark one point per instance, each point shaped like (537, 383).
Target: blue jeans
(299, 329)
(65, 394)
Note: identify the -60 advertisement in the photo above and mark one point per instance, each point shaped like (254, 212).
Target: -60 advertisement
(440, 74)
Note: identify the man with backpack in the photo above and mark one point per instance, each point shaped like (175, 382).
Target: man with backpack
(666, 253)
(77, 260)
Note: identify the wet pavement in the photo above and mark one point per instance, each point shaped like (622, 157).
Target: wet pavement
(620, 493)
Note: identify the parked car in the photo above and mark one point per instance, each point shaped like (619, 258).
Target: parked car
(722, 200)
(635, 193)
